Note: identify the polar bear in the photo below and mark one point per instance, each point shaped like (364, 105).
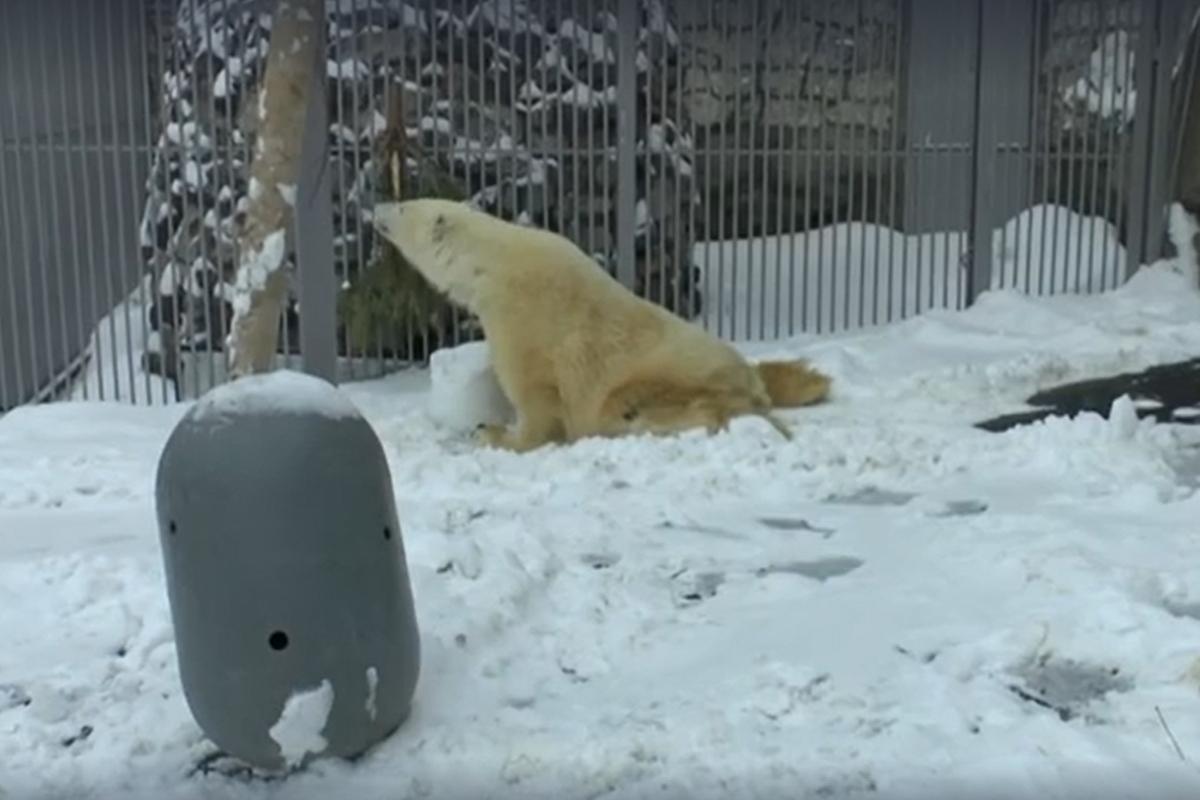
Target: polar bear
(576, 352)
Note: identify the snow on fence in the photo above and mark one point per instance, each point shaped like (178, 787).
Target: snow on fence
(764, 167)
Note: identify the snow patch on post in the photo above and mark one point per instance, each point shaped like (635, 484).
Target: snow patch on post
(372, 691)
(275, 393)
(298, 731)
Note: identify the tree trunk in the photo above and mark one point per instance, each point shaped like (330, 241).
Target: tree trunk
(261, 285)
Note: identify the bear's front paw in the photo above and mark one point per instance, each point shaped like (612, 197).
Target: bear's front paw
(491, 435)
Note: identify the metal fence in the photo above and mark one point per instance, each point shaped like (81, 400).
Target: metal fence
(764, 167)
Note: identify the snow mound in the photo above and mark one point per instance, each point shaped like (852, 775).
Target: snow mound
(463, 391)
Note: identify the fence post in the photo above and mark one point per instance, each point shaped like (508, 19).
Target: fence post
(628, 22)
(1003, 105)
(1145, 75)
(313, 220)
(1159, 181)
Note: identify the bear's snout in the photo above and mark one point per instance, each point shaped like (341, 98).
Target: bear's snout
(385, 216)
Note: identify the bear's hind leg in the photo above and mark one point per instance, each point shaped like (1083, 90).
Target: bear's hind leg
(663, 407)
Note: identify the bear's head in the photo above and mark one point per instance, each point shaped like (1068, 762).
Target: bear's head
(440, 238)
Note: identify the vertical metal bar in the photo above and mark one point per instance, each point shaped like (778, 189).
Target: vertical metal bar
(896, 242)
(496, 148)
(1158, 185)
(1138, 175)
(776, 149)
(880, 167)
(8, 397)
(354, 200)
(810, 137)
(667, 270)
(1010, 136)
(761, 141)
(822, 164)
(65, 354)
(39, 249)
(1088, 168)
(163, 22)
(411, 62)
(1071, 265)
(1115, 188)
(1115, 160)
(1107, 137)
(980, 148)
(710, 285)
(367, 161)
(345, 122)
(983, 171)
(583, 221)
(682, 261)
(706, 214)
(583, 32)
(797, 225)
(600, 167)
(862, 148)
(739, 237)
(366, 115)
(628, 12)
(23, 391)
(723, 242)
(93, 239)
(45, 215)
(180, 311)
(71, 149)
(313, 220)
(32, 309)
(1030, 156)
(827, 216)
(985, 154)
(913, 170)
(180, 269)
(837, 218)
(381, 71)
(753, 237)
(1110, 56)
(136, 26)
(594, 101)
(1071, 193)
(110, 301)
(192, 280)
(560, 130)
(1049, 169)
(229, 182)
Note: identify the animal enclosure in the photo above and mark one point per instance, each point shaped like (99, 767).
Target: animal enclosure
(767, 168)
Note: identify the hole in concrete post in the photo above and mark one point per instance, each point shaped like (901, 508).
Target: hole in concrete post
(172, 527)
(278, 640)
(387, 532)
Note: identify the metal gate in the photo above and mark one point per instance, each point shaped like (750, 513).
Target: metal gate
(764, 167)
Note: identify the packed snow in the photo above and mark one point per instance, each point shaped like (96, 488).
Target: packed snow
(895, 604)
(282, 392)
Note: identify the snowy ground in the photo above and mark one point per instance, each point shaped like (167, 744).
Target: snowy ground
(894, 604)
